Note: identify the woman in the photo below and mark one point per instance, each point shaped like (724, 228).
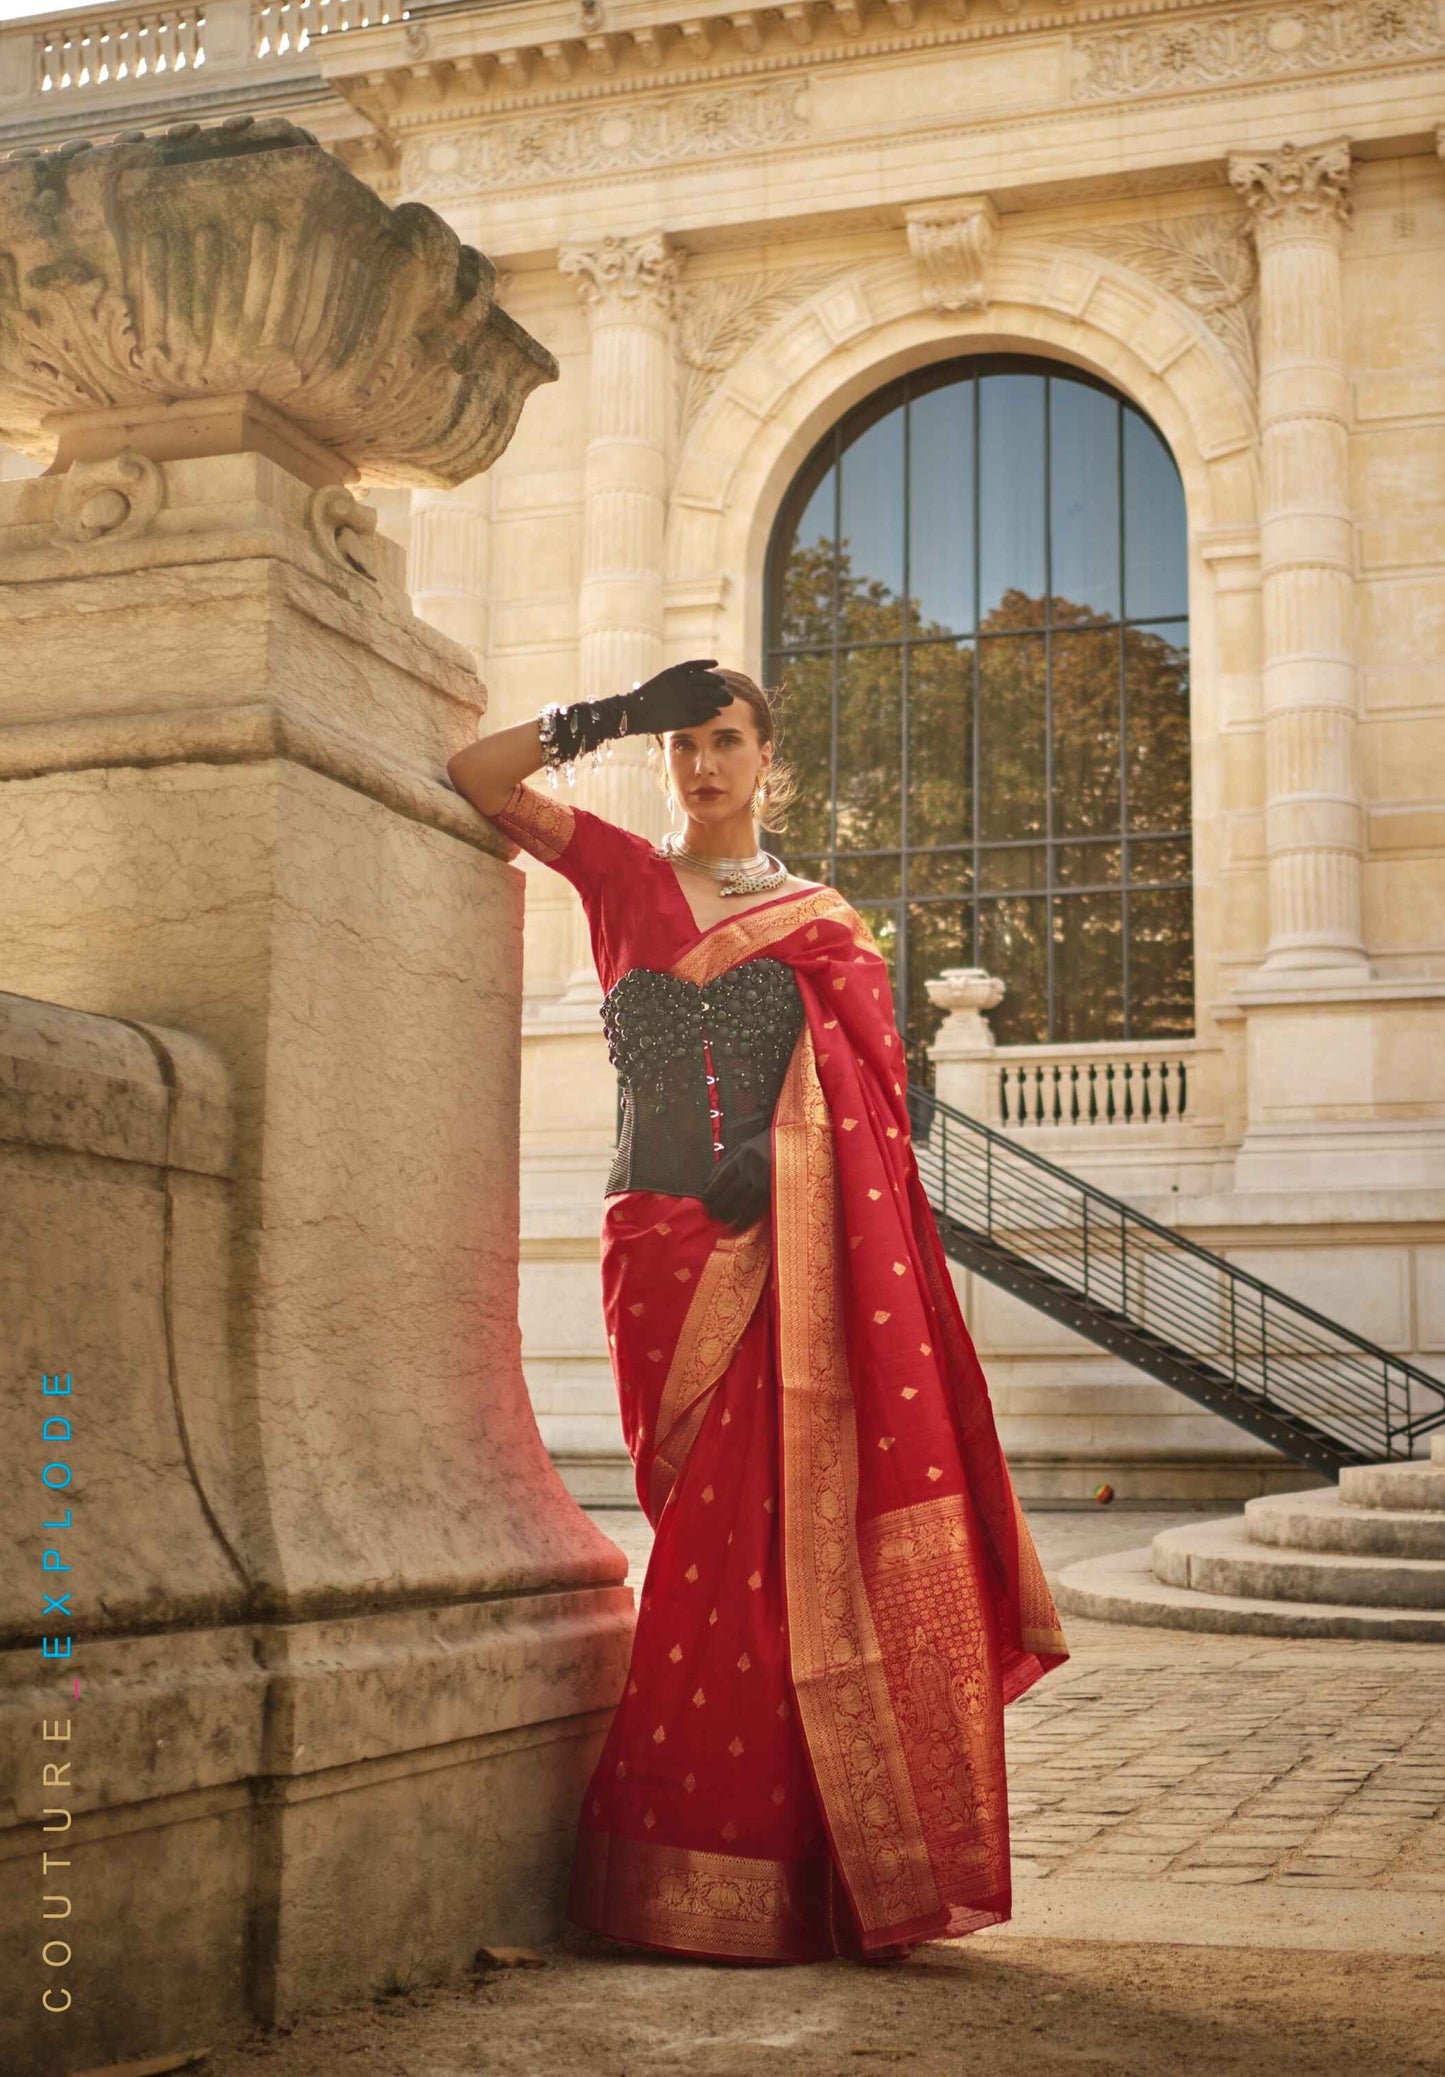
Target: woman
(843, 1593)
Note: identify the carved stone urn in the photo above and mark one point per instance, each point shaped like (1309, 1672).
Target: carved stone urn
(200, 290)
(965, 992)
(963, 1050)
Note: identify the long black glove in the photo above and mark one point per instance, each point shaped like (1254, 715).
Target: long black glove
(740, 1188)
(679, 697)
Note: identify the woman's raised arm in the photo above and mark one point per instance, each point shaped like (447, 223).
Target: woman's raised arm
(486, 771)
(680, 696)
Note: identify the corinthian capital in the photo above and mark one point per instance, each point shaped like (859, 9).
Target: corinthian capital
(615, 273)
(1295, 187)
(952, 243)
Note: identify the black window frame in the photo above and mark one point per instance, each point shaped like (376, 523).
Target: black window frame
(827, 452)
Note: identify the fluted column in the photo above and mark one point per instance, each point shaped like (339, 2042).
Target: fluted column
(1314, 821)
(447, 563)
(626, 285)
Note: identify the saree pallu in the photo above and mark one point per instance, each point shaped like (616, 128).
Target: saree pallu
(843, 1593)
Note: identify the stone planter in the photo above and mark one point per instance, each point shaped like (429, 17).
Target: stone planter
(151, 286)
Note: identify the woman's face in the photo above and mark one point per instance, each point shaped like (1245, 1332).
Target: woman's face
(714, 768)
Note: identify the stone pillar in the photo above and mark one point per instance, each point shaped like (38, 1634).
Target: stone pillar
(627, 287)
(447, 570)
(1314, 820)
(963, 1052)
(345, 1648)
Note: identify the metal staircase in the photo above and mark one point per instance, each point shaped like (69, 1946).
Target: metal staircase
(1325, 1396)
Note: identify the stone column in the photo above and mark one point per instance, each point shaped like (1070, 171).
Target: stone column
(1314, 821)
(345, 1647)
(447, 568)
(627, 287)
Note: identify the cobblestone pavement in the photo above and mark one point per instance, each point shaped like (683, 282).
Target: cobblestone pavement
(1184, 1807)
(1176, 1758)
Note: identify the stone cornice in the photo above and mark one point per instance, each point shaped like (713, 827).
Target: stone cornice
(473, 60)
(251, 732)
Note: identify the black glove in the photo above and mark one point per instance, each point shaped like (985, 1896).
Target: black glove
(740, 1188)
(679, 697)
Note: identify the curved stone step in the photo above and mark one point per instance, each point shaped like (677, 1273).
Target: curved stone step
(1318, 1520)
(1410, 1486)
(1219, 1558)
(1121, 1588)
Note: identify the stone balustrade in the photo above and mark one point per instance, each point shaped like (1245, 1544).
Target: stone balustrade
(103, 50)
(1106, 1086)
(1101, 1087)
(129, 48)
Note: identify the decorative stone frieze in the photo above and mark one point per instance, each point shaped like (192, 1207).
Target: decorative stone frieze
(572, 143)
(242, 262)
(718, 320)
(1166, 55)
(953, 243)
(1207, 260)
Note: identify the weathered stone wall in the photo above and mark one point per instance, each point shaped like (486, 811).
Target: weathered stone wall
(344, 1646)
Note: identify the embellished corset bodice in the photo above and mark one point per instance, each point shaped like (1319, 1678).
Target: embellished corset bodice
(699, 1066)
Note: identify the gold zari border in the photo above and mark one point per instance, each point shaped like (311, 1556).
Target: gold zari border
(728, 1289)
(836, 1661)
(539, 824)
(710, 1903)
(742, 937)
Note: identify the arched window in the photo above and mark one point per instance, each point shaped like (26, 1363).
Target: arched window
(977, 599)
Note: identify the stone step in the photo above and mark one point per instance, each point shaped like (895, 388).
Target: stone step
(1219, 1558)
(1318, 1520)
(1410, 1486)
(1437, 1448)
(1121, 1588)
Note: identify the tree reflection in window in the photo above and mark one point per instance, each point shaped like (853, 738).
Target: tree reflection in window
(977, 603)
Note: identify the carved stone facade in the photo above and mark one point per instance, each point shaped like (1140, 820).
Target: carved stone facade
(1207, 261)
(952, 244)
(718, 320)
(731, 227)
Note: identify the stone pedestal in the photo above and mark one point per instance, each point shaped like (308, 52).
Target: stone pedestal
(344, 1647)
(963, 1052)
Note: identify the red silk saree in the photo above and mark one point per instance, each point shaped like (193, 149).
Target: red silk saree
(843, 1593)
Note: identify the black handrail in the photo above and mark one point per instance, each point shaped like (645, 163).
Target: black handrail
(1319, 1391)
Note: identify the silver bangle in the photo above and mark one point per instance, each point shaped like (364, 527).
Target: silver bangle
(552, 757)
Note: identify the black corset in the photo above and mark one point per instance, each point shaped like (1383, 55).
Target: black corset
(656, 1024)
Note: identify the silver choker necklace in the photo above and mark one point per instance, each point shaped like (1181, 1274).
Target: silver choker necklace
(755, 875)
